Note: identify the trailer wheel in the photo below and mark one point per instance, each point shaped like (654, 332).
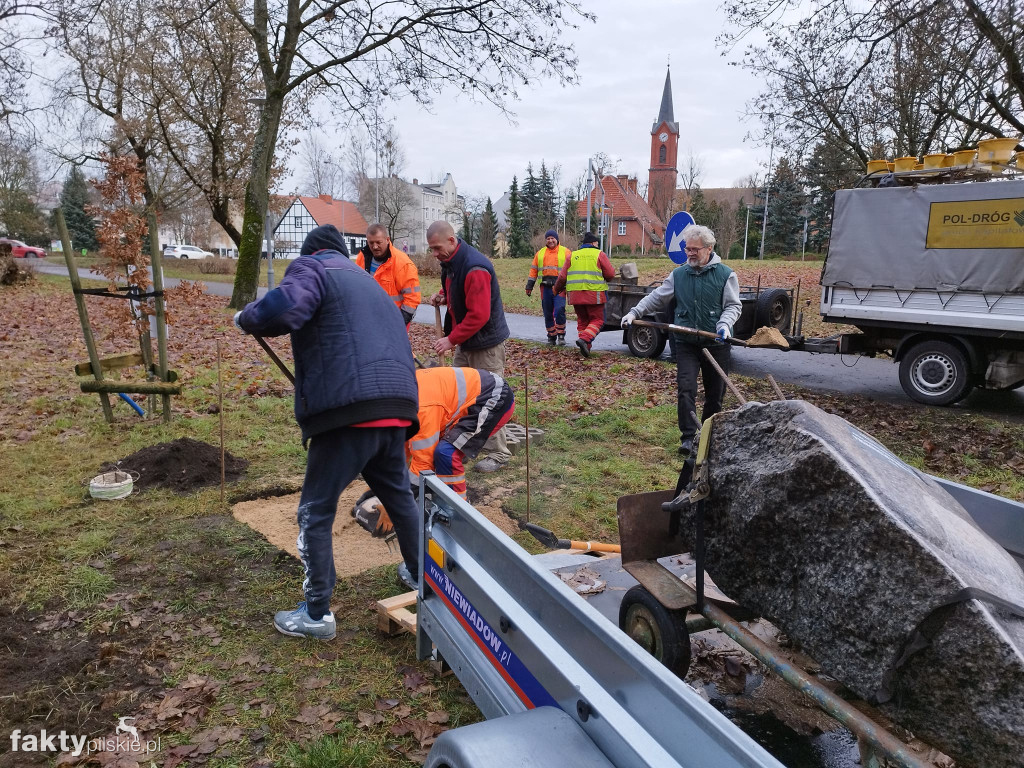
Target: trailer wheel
(659, 631)
(774, 309)
(935, 373)
(645, 342)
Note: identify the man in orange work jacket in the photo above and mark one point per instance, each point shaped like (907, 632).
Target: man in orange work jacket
(459, 409)
(548, 263)
(392, 269)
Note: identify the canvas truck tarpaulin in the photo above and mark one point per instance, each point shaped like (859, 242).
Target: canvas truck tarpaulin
(938, 237)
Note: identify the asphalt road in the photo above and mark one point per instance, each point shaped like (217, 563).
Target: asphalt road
(844, 374)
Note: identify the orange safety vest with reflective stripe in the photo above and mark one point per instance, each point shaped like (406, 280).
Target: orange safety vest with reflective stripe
(548, 263)
(446, 395)
(398, 277)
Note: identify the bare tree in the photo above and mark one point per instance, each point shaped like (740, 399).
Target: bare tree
(691, 173)
(384, 196)
(201, 71)
(366, 51)
(322, 167)
(896, 76)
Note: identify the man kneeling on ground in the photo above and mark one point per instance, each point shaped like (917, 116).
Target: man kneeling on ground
(459, 409)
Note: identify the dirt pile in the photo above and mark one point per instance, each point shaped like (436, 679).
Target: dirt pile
(182, 465)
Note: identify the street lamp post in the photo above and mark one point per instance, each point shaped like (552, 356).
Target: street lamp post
(767, 185)
(746, 232)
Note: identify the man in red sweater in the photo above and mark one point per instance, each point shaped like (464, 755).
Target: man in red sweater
(474, 324)
(585, 276)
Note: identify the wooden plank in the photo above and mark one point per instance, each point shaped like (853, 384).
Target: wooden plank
(83, 314)
(110, 363)
(129, 387)
(394, 616)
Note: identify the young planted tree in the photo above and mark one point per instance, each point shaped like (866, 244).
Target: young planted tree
(363, 53)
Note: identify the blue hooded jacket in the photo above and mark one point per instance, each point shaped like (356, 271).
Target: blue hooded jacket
(343, 374)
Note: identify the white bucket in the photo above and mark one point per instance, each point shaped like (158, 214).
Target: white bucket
(111, 485)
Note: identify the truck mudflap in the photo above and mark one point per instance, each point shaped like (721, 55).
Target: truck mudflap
(519, 639)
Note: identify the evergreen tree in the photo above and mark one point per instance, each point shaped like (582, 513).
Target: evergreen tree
(705, 212)
(488, 230)
(826, 170)
(785, 211)
(467, 232)
(73, 199)
(529, 200)
(515, 234)
(546, 213)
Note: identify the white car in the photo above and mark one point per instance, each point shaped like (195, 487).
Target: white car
(186, 252)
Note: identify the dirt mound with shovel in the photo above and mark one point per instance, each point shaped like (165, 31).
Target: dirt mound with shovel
(182, 465)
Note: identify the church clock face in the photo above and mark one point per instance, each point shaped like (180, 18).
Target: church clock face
(663, 136)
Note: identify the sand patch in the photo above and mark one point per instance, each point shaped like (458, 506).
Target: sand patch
(355, 550)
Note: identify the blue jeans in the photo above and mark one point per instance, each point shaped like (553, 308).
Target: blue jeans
(333, 461)
(554, 310)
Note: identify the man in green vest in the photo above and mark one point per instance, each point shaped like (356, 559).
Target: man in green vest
(585, 276)
(707, 297)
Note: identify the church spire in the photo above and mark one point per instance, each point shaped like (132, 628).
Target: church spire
(665, 114)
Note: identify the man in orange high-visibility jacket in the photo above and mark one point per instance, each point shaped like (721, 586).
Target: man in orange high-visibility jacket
(548, 263)
(392, 269)
(459, 409)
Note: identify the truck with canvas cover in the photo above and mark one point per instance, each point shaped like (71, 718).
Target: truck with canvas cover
(932, 274)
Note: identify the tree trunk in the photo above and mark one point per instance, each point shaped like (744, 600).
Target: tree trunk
(257, 197)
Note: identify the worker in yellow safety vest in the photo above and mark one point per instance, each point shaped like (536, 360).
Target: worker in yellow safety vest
(548, 263)
(585, 276)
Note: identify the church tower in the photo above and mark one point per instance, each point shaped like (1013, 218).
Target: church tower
(661, 179)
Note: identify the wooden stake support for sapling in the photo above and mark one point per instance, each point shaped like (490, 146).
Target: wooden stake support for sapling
(166, 384)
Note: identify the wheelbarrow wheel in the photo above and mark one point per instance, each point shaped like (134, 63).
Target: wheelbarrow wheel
(659, 631)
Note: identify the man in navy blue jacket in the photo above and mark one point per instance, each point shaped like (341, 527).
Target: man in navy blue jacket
(355, 401)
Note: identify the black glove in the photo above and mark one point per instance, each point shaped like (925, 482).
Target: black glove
(408, 315)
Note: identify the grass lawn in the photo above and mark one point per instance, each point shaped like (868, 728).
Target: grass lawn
(159, 606)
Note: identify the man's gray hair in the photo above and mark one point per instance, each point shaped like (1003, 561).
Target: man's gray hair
(699, 232)
(440, 229)
(377, 229)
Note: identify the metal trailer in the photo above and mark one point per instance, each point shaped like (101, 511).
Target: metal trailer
(933, 275)
(560, 684)
(761, 307)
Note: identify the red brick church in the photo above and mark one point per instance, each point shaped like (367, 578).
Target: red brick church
(631, 220)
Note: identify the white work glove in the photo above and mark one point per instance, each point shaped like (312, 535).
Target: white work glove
(239, 325)
(627, 320)
(723, 333)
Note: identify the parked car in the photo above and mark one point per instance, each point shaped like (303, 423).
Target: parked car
(186, 252)
(20, 251)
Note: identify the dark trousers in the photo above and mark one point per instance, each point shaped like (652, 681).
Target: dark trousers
(554, 310)
(333, 461)
(690, 361)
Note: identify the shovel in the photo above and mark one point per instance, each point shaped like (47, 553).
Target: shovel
(273, 356)
(549, 540)
(708, 335)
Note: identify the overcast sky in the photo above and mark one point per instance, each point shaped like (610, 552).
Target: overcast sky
(622, 74)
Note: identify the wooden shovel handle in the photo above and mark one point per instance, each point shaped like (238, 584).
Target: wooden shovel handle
(690, 331)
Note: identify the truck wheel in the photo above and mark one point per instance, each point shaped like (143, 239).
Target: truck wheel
(659, 631)
(774, 309)
(645, 342)
(935, 373)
